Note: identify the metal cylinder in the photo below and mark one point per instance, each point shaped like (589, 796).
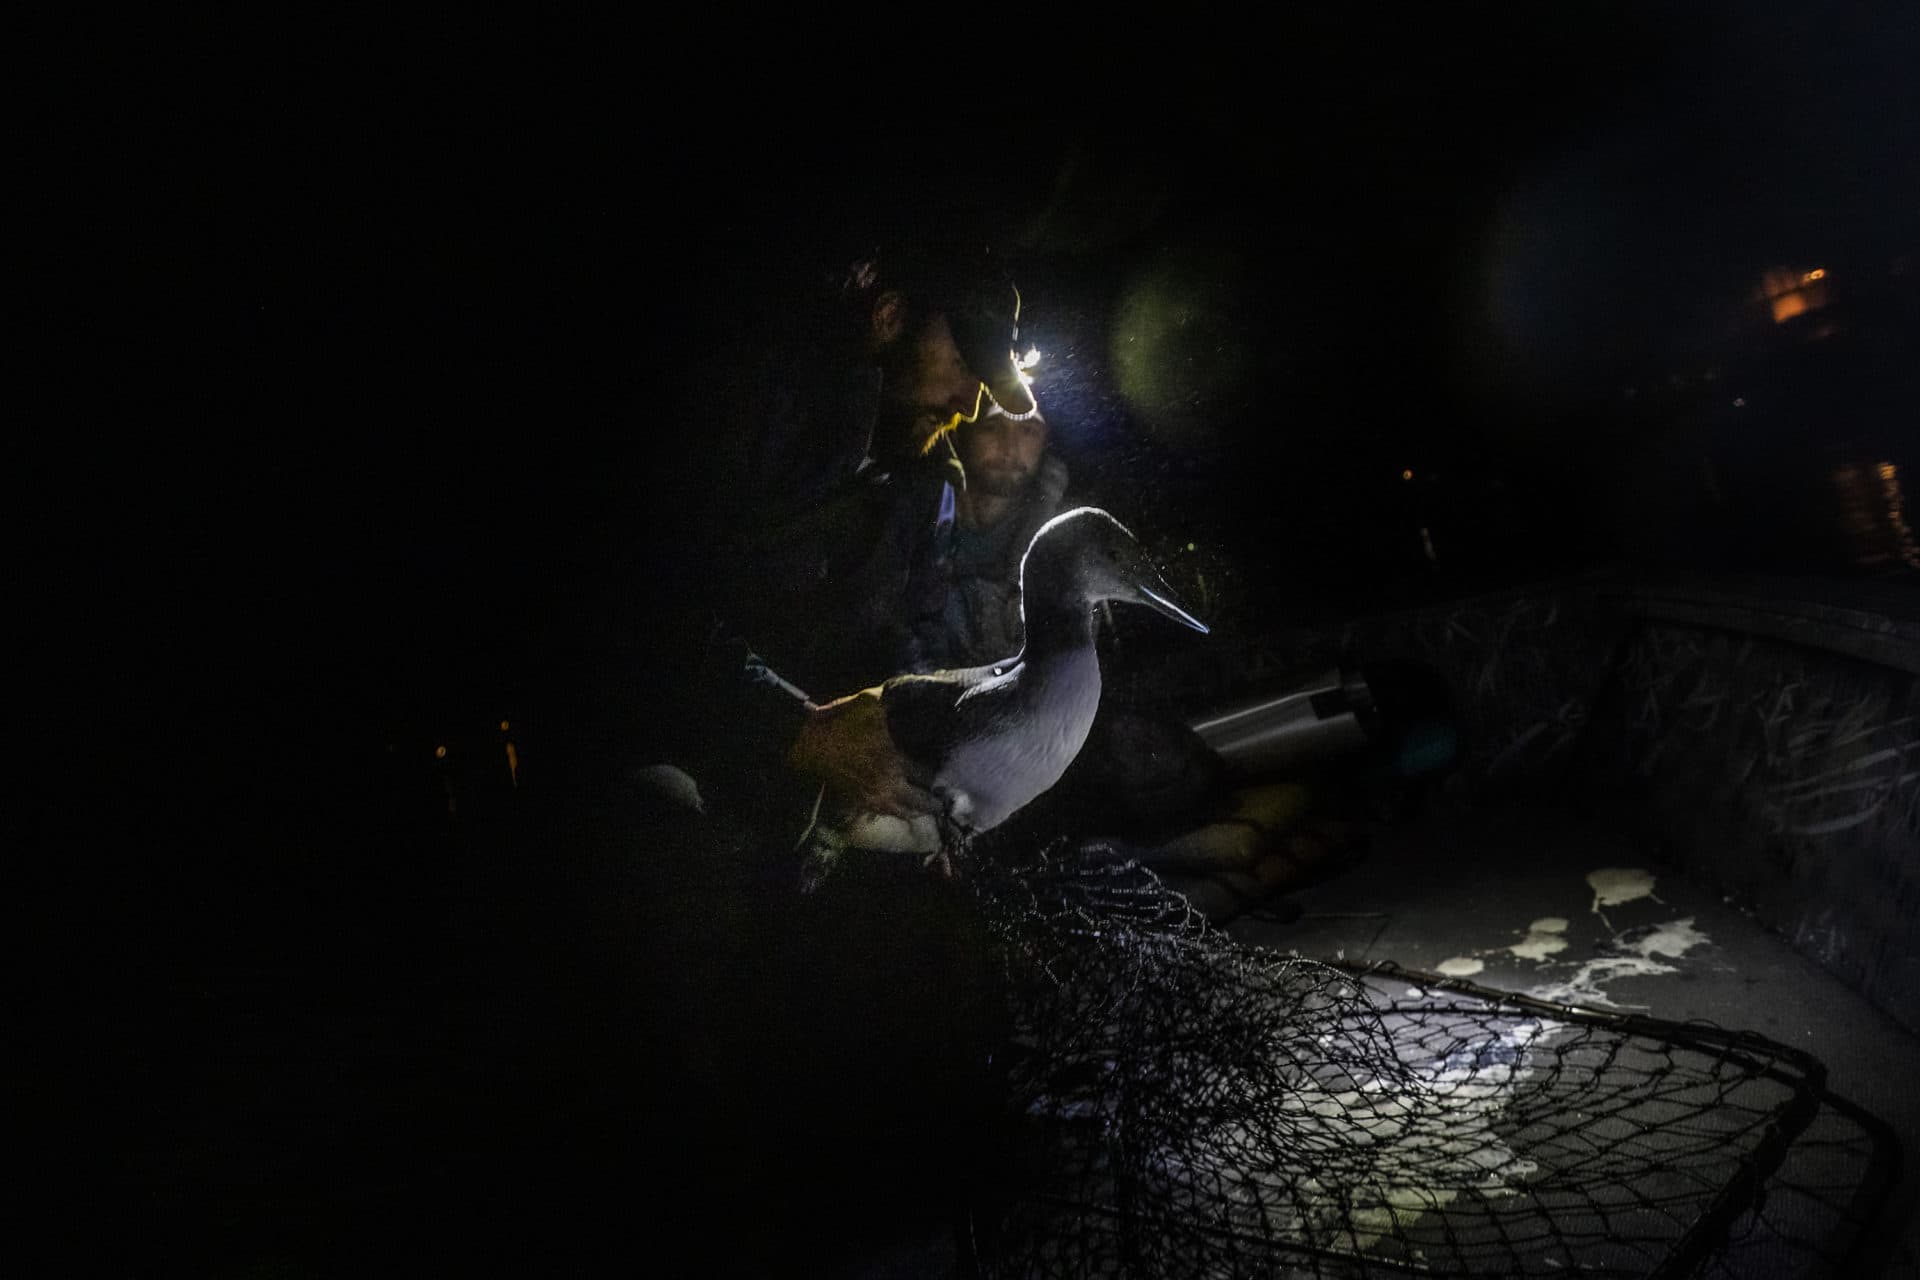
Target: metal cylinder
(1319, 717)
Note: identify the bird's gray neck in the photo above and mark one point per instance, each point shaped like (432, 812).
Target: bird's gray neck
(1058, 632)
(1062, 685)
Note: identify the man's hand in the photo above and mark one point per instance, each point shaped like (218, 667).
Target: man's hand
(845, 744)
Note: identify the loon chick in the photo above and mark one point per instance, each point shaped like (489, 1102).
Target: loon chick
(996, 737)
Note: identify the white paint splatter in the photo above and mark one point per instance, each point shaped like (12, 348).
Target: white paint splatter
(1674, 938)
(1461, 966)
(1545, 937)
(1631, 955)
(1615, 885)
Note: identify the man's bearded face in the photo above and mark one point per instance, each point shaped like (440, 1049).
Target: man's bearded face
(1001, 455)
(928, 387)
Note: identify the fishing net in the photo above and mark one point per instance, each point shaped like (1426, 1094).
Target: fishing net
(1185, 1105)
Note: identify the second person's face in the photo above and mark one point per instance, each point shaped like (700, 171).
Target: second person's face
(1002, 455)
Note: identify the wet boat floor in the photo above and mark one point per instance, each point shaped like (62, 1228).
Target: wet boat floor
(1504, 899)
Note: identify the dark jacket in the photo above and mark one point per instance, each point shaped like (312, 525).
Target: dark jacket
(795, 580)
(974, 618)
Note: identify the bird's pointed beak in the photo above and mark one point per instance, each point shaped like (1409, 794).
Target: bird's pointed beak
(1156, 595)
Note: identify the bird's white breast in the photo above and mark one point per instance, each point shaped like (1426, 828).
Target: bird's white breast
(994, 775)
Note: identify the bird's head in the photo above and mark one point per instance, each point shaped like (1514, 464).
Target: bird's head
(1084, 556)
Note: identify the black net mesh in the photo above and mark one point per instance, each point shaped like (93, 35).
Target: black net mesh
(1189, 1106)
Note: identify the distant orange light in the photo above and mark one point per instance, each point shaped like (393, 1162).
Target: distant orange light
(1818, 273)
(1888, 471)
(1789, 305)
(1406, 475)
(503, 726)
(439, 753)
(1778, 281)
